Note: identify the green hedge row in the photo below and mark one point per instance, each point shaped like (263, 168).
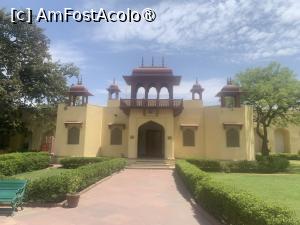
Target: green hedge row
(75, 162)
(14, 163)
(53, 188)
(289, 156)
(270, 164)
(229, 205)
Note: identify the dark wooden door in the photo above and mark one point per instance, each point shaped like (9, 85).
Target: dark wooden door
(153, 143)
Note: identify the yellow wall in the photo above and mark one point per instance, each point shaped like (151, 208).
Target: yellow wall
(210, 135)
(113, 115)
(65, 114)
(215, 135)
(93, 130)
(191, 115)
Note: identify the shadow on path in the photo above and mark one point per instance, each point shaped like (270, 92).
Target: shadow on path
(199, 212)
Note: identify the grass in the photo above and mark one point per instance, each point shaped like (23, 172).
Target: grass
(38, 173)
(283, 189)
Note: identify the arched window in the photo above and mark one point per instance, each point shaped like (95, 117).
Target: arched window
(232, 137)
(73, 135)
(164, 93)
(140, 94)
(282, 140)
(196, 96)
(188, 137)
(116, 136)
(152, 93)
(229, 101)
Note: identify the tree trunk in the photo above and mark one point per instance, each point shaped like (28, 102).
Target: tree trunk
(264, 148)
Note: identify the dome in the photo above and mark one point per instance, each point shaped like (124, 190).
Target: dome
(230, 88)
(79, 90)
(152, 71)
(113, 87)
(197, 87)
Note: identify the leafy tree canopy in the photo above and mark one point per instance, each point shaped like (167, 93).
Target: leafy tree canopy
(274, 92)
(29, 80)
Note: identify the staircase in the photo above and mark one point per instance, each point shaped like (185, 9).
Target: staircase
(151, 164)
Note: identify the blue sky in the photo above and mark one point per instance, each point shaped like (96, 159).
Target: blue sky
(211, 40)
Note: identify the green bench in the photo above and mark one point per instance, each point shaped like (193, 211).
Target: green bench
(12, 192)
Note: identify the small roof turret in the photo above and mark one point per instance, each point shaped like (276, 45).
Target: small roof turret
(79, 89)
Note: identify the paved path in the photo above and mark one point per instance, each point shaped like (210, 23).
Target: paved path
(131, 197)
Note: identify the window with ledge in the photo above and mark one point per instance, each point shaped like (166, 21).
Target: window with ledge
(233, 137)
(116, 136)
(73, 135)
(188, 136)
(229, 101)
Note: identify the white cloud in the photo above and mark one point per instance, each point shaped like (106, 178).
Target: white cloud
(247, 29)
(67, 53)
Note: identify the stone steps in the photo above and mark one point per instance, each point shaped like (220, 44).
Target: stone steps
(151, 164)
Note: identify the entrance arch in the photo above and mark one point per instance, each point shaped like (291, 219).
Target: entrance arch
(151, 138)
(282, 142)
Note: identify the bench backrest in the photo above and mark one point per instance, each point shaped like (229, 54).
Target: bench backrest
(12, 184)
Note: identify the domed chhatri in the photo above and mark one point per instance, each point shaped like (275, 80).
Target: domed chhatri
(197, 89)
(77, 91)
(230, 87)
(113, 89)
(230, 95)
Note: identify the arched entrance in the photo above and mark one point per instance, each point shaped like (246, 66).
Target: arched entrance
(281, 140)
(151, 138)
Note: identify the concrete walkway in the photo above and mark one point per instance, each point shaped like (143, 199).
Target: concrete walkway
(131, 197)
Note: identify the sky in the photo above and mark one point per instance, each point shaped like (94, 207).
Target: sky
(209, 40)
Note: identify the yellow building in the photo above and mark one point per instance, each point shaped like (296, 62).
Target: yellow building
(152, 127)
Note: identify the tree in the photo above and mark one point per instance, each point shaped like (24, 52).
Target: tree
(274, 93)
(29, 80)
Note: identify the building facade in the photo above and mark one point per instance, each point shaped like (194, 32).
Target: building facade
(155, 127)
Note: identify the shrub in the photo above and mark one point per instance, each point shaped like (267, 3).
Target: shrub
(207, 165)
(190, 174)
(229, 205)
(74, 162)
(14, 163)
(270, 164)
(242, 167)
(53, 188)
(289, 156)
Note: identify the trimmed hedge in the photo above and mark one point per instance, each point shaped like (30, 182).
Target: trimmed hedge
(270, 164)
(75, 162)
(229, 205)
(289, 156)
(207, 165)
(14, 163)
(53, 188)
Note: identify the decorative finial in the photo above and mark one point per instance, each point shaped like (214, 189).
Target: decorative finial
(163, 61)
(114, 81)
(79, 81)
(152, 61)
(142, 65)
(197, 80)
(229, 81)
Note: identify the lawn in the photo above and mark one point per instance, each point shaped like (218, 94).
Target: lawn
(283, 189)
(39, 173)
